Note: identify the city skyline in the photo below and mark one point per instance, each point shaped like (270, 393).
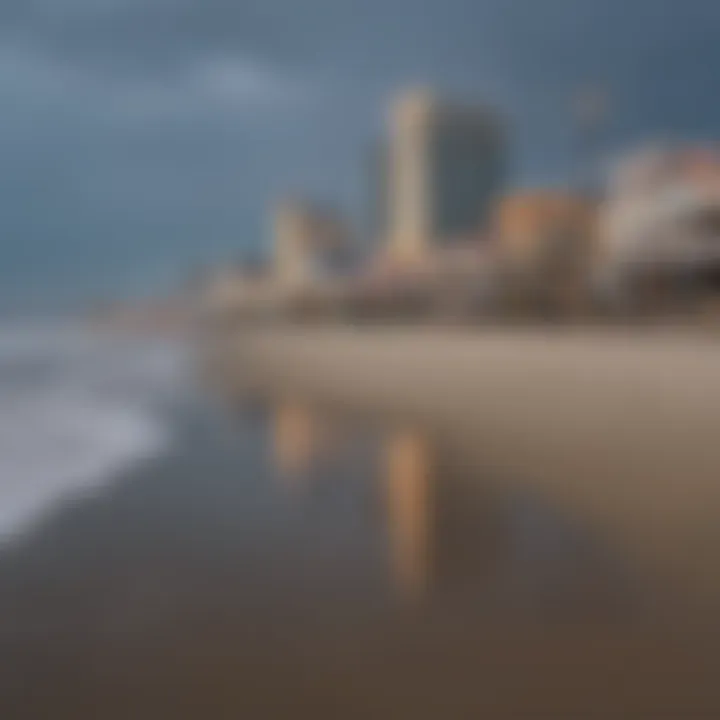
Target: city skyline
(143, 138)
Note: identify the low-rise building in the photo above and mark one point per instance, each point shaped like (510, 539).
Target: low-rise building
(660, 222)
(311, 244)
(547, 245)
(238, 291)
(528, 223)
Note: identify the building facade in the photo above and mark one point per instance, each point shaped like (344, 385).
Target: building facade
(526, 223)
(446, 165)
(661, 223)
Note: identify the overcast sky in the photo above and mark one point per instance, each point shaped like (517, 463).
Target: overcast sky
(139, 138)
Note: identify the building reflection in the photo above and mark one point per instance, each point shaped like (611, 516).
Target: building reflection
(301, 441)
(297, 442)
(447, 531)
(409, 485)
(413, 508)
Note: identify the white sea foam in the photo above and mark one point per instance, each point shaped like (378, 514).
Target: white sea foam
(76, 409)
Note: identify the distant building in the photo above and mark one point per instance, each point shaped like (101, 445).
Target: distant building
(234, 291)
(310, 243)
(547, 247)
(445, 167)
(527, 222)
(661, 216)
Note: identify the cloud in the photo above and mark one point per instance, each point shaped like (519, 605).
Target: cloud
(145, 58)
(239, 81)
(140, 37)
(216, 84)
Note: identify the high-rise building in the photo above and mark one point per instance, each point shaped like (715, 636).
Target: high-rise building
(446, 164)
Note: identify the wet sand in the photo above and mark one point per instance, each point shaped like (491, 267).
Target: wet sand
(618, 427)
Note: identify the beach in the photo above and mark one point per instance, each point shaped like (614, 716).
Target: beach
(298, 544)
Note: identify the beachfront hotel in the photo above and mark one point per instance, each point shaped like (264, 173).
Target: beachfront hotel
(446, 165)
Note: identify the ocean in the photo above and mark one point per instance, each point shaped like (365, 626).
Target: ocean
(77, 408)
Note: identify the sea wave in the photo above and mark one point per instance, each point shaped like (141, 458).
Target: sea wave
(76, 409)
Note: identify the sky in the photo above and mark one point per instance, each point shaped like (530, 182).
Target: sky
(141, 139)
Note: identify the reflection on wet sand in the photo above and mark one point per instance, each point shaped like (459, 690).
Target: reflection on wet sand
(444, 531)
(301, 440)
(297, 440)
(409, 466)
